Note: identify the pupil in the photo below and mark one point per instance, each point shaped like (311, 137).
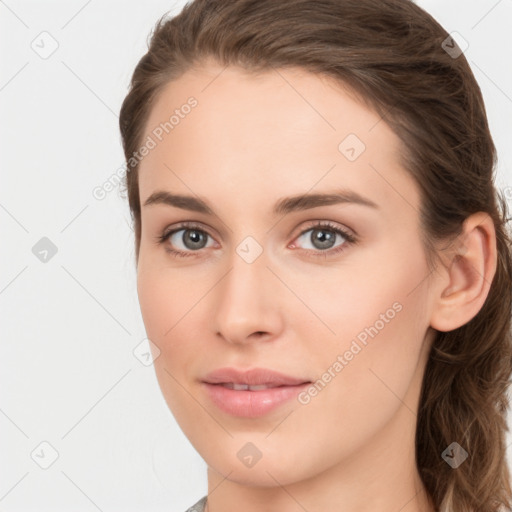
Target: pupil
(326, 242)
(194, 238)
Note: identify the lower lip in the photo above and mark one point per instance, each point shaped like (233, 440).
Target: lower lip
(251, 404)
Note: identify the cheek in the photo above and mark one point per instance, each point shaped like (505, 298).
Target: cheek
(376, 292)
(371, 383)
(165, 295)
(174, 307)
(164, 303)
(155, 302)
(380, 317)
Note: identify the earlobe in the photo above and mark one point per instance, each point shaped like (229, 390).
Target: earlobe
(468, 276)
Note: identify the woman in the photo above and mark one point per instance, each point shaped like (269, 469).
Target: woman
(323, 263)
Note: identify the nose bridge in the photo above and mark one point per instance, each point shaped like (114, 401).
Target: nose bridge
(245, 301)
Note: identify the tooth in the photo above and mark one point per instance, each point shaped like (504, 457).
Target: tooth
(240, 387)
(246, 387)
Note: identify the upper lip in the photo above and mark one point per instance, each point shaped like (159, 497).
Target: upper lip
(252, 377)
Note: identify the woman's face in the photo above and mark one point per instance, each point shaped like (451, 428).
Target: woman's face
(260, 285)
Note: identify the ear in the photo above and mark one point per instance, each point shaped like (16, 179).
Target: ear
(468, 274)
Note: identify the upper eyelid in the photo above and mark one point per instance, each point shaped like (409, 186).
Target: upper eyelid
(328, 225)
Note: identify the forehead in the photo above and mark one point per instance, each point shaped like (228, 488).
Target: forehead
(231, 99)
(281, 130)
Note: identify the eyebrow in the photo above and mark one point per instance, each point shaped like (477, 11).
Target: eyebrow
(283, 206)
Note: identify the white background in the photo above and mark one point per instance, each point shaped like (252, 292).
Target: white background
(69, 326)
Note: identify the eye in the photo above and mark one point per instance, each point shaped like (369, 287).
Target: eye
(322, 238)
(188, 238)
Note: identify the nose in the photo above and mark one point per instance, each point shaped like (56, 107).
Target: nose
(247, 302)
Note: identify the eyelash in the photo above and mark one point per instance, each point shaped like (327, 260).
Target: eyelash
(328, 226)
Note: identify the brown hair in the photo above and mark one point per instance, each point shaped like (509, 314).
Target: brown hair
(391, 54)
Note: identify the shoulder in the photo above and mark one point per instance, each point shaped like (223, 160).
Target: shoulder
(199, 506)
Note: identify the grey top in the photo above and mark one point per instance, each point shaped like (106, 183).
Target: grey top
(199, 506)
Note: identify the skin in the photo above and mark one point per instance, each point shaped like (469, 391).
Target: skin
(250, 141)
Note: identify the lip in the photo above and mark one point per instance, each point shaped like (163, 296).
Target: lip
(251, 403)
(252, 377)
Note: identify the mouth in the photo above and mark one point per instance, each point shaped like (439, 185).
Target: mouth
(251, 393)
(246, 387)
